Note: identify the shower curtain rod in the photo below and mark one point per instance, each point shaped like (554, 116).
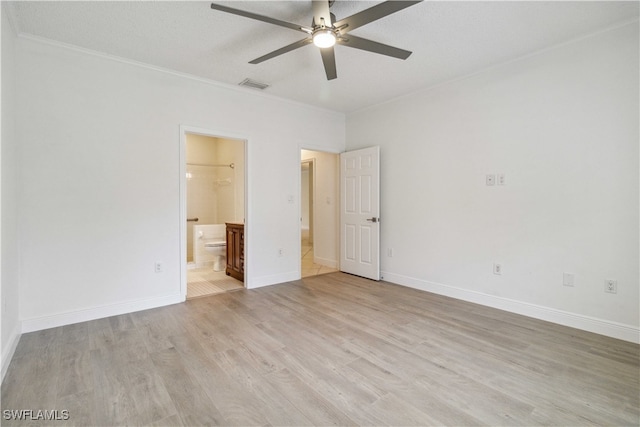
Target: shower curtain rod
(230, 165)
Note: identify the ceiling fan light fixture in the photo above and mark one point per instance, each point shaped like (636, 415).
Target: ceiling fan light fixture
(324, 38)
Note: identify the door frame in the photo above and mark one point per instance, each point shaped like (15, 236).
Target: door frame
(182, 215)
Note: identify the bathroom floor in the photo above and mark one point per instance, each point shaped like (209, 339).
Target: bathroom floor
(205, 281)
(309, 268)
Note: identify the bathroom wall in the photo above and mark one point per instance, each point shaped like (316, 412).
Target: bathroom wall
(202, 199)
(215, 195)
(230, 182)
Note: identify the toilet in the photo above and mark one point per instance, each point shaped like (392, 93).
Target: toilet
(210, 246)
(218, 248)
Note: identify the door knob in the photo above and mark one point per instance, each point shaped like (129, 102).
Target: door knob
(374, 219)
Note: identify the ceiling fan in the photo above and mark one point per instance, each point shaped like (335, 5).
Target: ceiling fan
(325, 31)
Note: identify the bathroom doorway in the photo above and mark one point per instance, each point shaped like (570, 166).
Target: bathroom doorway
(214, 197)
(319, 196)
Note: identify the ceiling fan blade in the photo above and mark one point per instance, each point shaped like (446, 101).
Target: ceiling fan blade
(375, 47)
(321, 13)
(282, 50)
(372, 14)
(329, 61)
(261, 18)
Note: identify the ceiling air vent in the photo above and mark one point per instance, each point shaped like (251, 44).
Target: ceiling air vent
(253, 84)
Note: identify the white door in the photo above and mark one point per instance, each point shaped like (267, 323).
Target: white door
(360, 212)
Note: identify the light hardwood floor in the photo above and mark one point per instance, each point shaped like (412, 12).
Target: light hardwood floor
(326, 350)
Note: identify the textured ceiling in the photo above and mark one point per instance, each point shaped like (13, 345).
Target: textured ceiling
(448, 39)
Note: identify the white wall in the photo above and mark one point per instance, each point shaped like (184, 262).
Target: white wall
(563, 126)
(99, 145)
(325, 203)
(231, 151)
(9, 289)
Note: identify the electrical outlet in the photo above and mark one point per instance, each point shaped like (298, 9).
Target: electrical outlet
(159, 267)
(501, 179)
(497, 269)
(611, 286)
(491, 179)
(568, 279)
(280, 251)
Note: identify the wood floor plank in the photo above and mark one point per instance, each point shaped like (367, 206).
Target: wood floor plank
(326, 350)
(261, 361)
(315, 407)
(75, 369)
(276, 410)
(395, 411)
(302, 336)
(151, 396)
(550, 375)
(194, 407)
(407, 368)
(36, 382)
(172, 421)
(112, 401)
(79, 406)
(234, 404)
(335, 383)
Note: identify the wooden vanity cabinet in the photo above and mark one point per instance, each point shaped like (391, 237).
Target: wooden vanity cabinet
(235, 250)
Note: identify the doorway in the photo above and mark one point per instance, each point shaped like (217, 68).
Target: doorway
(213, 195)
(319, 216)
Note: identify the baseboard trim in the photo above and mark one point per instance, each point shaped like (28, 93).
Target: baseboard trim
(565, 318)
(62, 319)
(7, 353)
(258, 282)
(331, 263)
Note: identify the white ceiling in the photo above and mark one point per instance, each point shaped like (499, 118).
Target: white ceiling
(448, 39)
